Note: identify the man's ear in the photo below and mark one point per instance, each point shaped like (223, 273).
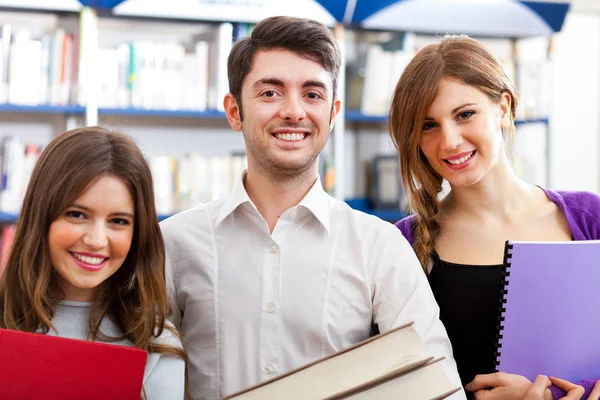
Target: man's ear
(335, 109)
(232, 111)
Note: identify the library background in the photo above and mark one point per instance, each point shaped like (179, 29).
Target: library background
(156, 70)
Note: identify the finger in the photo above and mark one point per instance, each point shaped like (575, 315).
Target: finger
(483, 394)
(575, 393)
(485, 381)
(538, 389)
(595, 393)
(566, 385)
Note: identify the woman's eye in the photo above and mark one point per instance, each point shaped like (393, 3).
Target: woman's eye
(119, 221)
(465, 114)
(75, 214)
(428, 125)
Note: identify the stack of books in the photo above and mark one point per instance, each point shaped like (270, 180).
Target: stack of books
(392, 365)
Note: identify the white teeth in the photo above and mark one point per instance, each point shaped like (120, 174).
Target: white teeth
(89, 260)
(460, 160)
(292, 137)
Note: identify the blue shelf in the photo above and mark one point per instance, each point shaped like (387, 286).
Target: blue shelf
(362, 204)
(8, 217)
(142, 112)
(357, 116)
(351, 115)
(42, 109)
(532, 121)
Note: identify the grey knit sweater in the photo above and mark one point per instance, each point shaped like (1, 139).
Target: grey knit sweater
(164, 375)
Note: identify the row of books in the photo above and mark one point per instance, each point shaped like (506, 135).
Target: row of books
(37, 70)
(187, 75)
(374, 68)
(179, 183)
(191, 73)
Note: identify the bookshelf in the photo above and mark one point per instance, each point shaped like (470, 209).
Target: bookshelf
(351, 115)
(131, 14)
(357, 116)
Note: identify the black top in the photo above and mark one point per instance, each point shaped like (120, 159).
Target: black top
(469, 298)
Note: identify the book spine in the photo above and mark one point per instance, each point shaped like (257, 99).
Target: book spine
(504, 292)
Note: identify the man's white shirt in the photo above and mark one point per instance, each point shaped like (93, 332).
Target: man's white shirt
(252, 305)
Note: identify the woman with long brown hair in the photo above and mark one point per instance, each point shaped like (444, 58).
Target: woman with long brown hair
(451, 118)
(88, 259)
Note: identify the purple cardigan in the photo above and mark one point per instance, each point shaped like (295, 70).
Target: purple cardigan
(582, 211)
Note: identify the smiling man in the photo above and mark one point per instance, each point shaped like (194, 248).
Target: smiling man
(278, 273)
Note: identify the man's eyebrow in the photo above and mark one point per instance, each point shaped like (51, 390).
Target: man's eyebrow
(269, 81)
(314, 83)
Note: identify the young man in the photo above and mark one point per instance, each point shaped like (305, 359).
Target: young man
(278, 273)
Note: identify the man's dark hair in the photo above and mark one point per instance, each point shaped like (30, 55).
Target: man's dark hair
(305, 37)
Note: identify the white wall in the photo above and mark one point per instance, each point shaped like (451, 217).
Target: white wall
(575, 125)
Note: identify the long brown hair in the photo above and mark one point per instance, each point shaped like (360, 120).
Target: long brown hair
(135, 296)
(456, 57)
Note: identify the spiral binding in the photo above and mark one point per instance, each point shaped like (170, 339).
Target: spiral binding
(502, 306)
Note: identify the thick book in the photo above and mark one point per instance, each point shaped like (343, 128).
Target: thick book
(550, 316)
(36, 366)
(426, 382)
(359, 370)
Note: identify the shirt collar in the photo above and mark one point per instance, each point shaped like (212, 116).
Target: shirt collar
(236, 198)
(316, 201)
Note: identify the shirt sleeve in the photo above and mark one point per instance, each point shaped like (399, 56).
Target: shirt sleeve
(167, 379)
(176, 313)
(165, 373)
(401, 294)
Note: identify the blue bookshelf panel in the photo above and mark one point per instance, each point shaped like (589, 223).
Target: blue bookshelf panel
(357, 116)
(363, 204)
(42, 109)
(142, 112)
(8, 218)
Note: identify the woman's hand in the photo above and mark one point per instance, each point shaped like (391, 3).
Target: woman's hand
(574, 392)
(503, 386)
(539, 389)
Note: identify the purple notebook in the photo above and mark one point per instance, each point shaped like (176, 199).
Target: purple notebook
(550, 320)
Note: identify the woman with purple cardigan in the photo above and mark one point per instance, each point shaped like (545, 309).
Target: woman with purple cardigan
(452, 114)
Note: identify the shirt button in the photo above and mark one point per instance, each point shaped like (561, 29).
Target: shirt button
(270, 307)
(274, 248)
(269, 369)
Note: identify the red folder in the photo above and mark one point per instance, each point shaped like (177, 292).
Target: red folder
(35, 366)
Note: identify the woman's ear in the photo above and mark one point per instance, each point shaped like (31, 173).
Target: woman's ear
(505, 108)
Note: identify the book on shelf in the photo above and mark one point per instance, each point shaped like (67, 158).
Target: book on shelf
(6, 241)
(71, 63)
(34, 366)
(549, 313)
(383, 367)
(36, 70)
